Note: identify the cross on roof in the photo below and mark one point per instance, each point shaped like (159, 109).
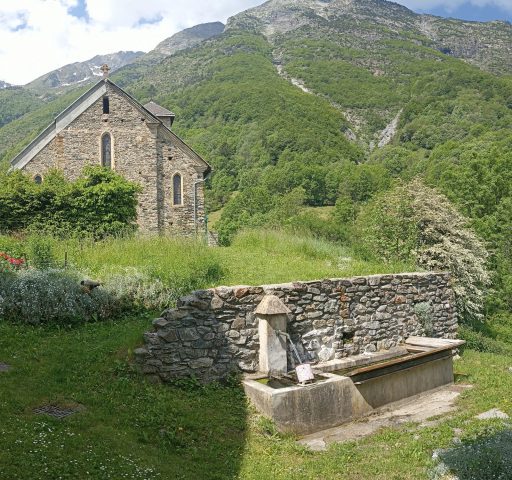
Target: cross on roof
(105, 69)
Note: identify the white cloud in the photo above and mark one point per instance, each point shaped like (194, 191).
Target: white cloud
(451, 5)
(37, 36)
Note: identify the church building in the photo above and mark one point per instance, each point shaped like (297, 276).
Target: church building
(108, 127)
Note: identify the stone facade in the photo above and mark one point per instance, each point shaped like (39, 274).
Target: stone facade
(214, 332)
(143, 149)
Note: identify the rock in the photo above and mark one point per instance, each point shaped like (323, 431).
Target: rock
(160, 323)
(201, 363)
(233, 334)
(216, 303)
(174, 314)
(238, 324)
(141, 352)
(331, 306)
(316, 445)
(493, 413)
(325, 354)
(192, 301)
(188, 334)
(247, 366)
(241, 292)
(168, 336)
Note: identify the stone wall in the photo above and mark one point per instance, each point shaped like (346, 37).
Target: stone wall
(214, 332)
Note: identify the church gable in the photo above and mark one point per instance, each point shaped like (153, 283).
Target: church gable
(106, 126)
(93, 100)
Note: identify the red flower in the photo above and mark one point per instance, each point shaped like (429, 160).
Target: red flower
(14, 262)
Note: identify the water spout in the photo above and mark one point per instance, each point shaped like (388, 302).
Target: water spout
(303, 370)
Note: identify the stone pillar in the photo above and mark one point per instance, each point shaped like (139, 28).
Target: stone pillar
(272, 318)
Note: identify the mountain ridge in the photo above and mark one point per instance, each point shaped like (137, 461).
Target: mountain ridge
(489, 45)
(186, 39)
(74, 74)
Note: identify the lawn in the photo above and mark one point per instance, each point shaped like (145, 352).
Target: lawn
(127, 427)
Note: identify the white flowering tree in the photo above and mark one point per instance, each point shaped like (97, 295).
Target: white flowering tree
(415, 222)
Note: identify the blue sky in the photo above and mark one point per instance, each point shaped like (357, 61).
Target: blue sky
(477, 10)
(37, 36)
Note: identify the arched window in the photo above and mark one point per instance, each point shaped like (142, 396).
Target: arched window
(38, 179)
(106, 151)
(176, 189)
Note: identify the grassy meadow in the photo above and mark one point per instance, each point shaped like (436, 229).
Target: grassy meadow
(255, 257)
(130, 428)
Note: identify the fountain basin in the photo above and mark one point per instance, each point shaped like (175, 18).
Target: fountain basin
(368, 382)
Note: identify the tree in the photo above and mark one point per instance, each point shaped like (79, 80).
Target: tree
(415, 222)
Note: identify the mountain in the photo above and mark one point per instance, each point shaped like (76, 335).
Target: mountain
(78, 73)
(327, 103)
(4, 85)
(187, 38)
(487, 45)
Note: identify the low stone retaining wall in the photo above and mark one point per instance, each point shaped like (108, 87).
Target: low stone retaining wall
(214, 332)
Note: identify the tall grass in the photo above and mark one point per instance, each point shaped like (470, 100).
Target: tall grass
(255, 257)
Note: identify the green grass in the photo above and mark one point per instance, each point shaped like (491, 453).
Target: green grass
(133, 429)
(130, 428)
(255, 257)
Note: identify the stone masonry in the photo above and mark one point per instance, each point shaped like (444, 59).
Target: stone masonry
(214, 332)
(143, 151)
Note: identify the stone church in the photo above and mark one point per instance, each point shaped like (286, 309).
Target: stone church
(108, 127)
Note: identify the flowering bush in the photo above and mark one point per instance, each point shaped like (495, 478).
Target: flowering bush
(53, 296)
(415, 222)
(9, 264)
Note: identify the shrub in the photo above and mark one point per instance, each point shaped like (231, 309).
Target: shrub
(12, 246)
(478, 341)
(424, 313)
(416, 222)
(52, 297)
(133, 290)
(98, 204)
(486, 457)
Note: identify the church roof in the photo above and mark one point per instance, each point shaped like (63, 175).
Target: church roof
(78, 107)
(158, 110)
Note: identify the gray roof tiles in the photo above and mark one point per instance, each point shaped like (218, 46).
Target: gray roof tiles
(158, 110)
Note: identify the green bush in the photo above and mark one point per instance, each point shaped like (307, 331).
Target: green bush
(52, 297)
(98, 204)
(12, 246)
(40, 252)
(480, 342)
(415, 222)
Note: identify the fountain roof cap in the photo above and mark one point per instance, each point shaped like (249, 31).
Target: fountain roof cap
(271, 305)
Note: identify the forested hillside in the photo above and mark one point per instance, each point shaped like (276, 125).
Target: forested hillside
(308, 104)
